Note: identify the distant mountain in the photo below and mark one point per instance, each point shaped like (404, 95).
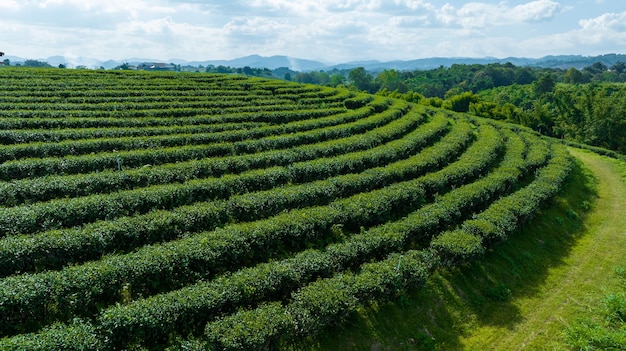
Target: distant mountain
(254, 61)
(561, 61)
(418, 64)
(273, 62)
(298, 64)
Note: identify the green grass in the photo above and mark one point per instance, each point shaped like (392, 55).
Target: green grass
(605, 327)
(524, 293)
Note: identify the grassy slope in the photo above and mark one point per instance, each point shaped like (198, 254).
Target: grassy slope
(572, 288)
(523, 293)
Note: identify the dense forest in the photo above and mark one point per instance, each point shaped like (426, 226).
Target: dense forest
(586, 106)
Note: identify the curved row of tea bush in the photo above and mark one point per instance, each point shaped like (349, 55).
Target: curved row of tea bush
(52, 249)
(145, 321)
(326, 302)
(70, 212)
(469, 160)
(314, 119)
(137, 158)
(169, 265)
(19, 136)
(51, 186)
(298, 204)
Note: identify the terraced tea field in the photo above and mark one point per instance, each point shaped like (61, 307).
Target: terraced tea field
(154, 210)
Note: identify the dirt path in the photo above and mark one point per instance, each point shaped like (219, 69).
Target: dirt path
(577, 284)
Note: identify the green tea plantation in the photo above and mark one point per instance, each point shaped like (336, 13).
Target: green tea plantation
(146, 210)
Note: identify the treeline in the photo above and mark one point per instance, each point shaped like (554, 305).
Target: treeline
(585, 106)
(333, 78)
(593, 114)
(444, 82)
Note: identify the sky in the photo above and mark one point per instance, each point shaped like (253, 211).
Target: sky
(331, 31)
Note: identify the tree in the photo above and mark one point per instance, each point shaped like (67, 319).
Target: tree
(573, 76)
(461, 102)
(544, 85)
(336, 80)
(596, 68)
(320, 78)
(35, 63)
(124, 66)
(391, 80)
(362, 80)
(619, 67)
(524, 76)
(222, 69)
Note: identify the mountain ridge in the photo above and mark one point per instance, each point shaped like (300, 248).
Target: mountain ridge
(304, 65)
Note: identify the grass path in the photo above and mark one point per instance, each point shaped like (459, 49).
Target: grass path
(521, 295)
(571, 289)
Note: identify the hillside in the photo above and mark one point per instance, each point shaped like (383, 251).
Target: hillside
(543, 289)
(153, 210)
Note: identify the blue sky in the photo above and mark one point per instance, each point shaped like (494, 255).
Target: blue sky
(333, 31)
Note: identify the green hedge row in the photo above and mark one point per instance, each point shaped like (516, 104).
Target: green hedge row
(8, 137)
(218, 99)
(60, 186)
(323, 303)
(148, 97)
(268, 114)
(53, 249)
(148, 321)
(505, 215)
(117, 111)
(75, 211)
(178, 138)
(320, 304)
(157, 268)
(265, 114)
(140, 95)
(130, 159)
(123, 107)
(539, 151)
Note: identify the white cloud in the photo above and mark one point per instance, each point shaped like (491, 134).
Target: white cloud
(536, 11)
(606, 22)
(603, 34)
(331, 30)
(9, 5)
(484, 15)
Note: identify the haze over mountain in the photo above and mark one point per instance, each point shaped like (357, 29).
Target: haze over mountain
(299, 64)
